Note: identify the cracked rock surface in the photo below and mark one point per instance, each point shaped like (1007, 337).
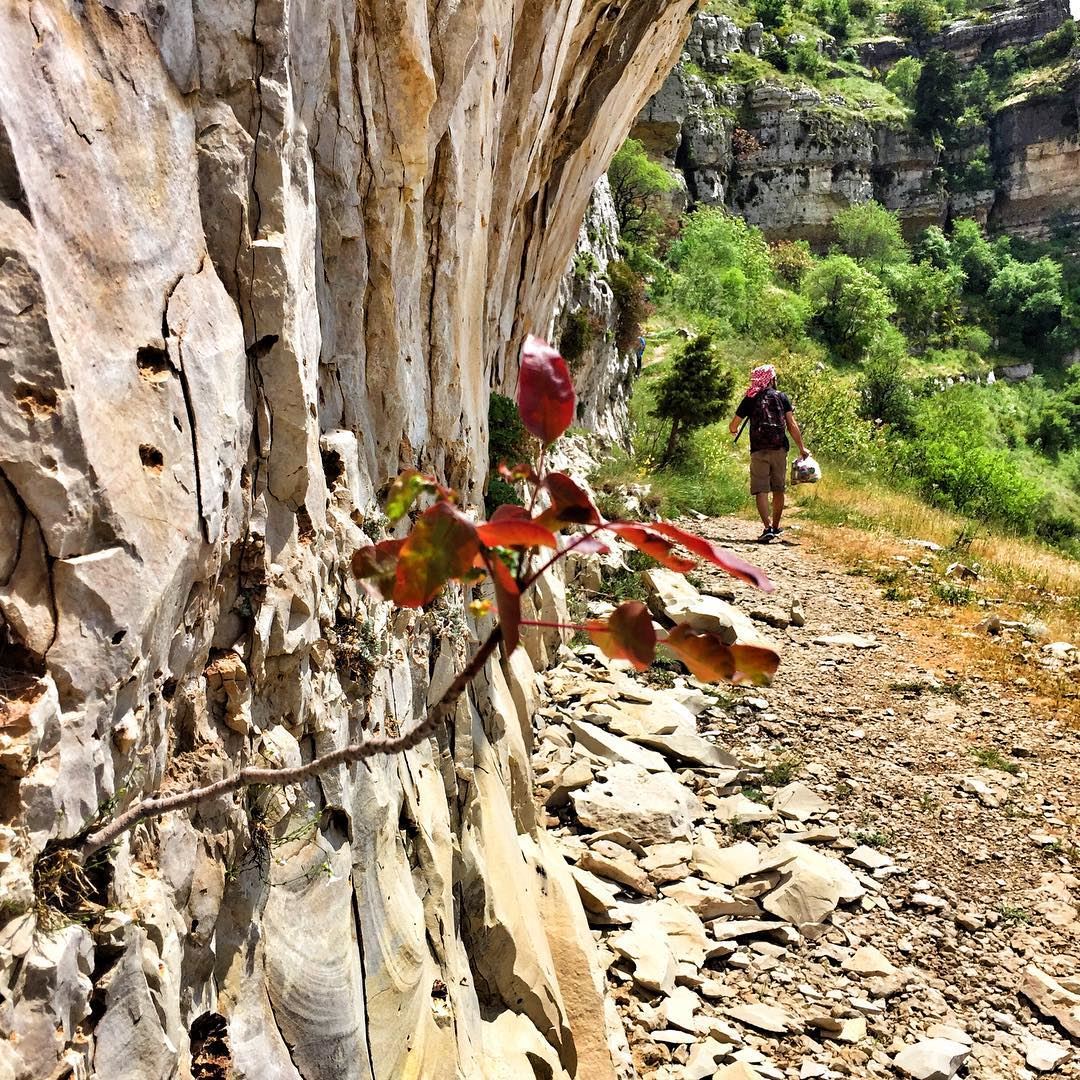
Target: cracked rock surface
(254, 258)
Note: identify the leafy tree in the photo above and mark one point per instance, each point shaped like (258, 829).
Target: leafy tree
(903, 78)
(939, 98)
(835, 16)
(870, 234)
(771, 13)
(974, 255)
(1027, 299)
(849, 305)
(637, 184)
(927, 301)
(885, 396)
(722, 269)
(694, 393)
(919, 19)
(791, 259)
(933, 247)
(806, 60)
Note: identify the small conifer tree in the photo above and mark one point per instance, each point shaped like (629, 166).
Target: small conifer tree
(694, 393)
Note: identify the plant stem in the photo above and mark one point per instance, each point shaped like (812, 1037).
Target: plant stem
(157, 804)
(531, 579)
(554, 625)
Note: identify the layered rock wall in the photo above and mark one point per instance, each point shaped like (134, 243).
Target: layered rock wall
(802, 156)
(254, 258)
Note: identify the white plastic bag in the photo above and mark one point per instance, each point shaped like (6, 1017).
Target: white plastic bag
(805, 471)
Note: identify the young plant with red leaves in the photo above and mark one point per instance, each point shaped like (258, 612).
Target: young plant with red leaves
(512, 550)
(445, 545)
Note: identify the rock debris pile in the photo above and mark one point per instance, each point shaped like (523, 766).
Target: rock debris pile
(750, 921)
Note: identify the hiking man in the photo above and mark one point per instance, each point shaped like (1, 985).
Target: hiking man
(771, 419)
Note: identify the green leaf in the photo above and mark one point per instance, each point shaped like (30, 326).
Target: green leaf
(404, 491)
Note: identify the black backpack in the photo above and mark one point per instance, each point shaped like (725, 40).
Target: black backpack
(767, 424)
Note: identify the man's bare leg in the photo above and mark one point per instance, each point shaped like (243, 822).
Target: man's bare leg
(777, 509)
(763, 507)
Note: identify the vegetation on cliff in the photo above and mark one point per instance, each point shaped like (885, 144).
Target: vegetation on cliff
(889, 349)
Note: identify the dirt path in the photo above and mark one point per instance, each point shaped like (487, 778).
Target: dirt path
(955, 810)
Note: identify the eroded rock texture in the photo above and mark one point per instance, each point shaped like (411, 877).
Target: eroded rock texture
(798, 161)
(255, 257)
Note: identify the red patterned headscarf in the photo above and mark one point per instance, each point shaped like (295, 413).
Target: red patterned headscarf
(760, 378)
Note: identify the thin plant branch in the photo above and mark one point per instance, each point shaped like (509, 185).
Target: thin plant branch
(158, 804)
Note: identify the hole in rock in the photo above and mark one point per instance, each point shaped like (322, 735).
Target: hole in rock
(211, 1058)
(35, 401)
(118, 637)
(305, 531)
(333, 467)
(153, 364)
(151, 457)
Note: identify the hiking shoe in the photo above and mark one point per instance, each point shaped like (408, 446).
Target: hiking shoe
(777, 532)
(766, 537)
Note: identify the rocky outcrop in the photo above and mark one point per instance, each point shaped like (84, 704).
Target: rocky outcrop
(255, 258)
(789, 159)
(1036, 155)
(975, 39)
(587, 320)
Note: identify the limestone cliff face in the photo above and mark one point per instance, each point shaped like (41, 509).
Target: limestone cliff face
(586, 323)
(799, 158)
(255, 257)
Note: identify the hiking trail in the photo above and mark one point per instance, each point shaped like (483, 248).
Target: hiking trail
(866, 869)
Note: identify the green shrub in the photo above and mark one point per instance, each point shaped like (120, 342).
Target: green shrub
(722, 269)
(927, 301)
(885, 396)
(1027, 299)
(771, 13)
(638, 186)
(903, 78)
(1054, 45)
(918, 19)
(507, 437)
(870, 234)
(585, 265)
(974, 254)
(933, 247)
(791, 259)
(693, 393)
(806, 60)
(628, 289)
(849, 305)
(939, 99)
(577, 336)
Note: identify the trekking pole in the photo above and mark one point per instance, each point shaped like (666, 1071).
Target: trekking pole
(741, 427)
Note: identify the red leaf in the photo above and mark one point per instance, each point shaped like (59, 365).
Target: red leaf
(376, 567)
(628, 634)
(710, 660)
(510, 512)
(656, 547)
(726, 560)
(441, 546)
(585, 545)
(515, 532)
(521, 471)
(570, 503)
(508, 597)
(545, 394)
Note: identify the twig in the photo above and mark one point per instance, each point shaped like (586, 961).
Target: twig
(155, 805)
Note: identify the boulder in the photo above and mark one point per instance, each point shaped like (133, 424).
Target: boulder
(653, 808)
(1052, 1000)
(672, 597)
(615, 749)
(724, 865)
(799, 802)
(932, 1059)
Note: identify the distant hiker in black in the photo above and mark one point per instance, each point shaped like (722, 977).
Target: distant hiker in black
(771, 419)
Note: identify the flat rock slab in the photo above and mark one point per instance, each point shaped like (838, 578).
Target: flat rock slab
(932, 1059)
(740, 808)
(692, 749)
(724, 865)
(853, 641)
(614, 748)
(652, 808)
(765, 1018)
(798, 802)
(1052, 999)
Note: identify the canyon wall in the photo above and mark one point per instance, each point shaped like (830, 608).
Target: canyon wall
(256, 256)
(802, 155)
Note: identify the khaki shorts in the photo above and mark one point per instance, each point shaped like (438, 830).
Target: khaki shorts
(768, 471)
